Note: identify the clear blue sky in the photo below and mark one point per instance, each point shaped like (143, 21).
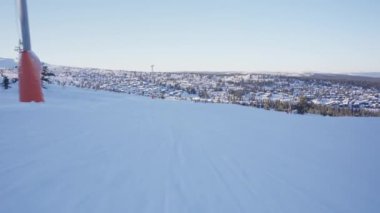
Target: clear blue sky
(213, 35)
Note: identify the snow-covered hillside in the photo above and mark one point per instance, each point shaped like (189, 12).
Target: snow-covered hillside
(87, 151)
(7, 63)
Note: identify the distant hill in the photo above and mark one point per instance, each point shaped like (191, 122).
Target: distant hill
(368, 74)
(7, 63)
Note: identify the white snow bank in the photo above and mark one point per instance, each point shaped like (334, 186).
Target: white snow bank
(87, 151)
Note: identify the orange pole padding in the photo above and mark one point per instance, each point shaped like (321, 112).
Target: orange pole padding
(30, 69)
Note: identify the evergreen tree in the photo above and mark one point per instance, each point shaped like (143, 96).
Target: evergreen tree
(5, 82)
(45, 76)
(302, 106)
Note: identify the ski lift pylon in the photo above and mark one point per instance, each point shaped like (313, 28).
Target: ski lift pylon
(29, 65)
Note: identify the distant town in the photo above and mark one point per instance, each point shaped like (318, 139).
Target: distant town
(325, 94)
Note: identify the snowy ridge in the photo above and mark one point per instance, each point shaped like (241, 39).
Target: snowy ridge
(7, 63)
(86, 151)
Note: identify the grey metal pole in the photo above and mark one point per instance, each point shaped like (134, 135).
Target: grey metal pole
(26, 45)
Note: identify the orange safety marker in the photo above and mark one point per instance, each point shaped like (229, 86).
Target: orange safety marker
(30, 78)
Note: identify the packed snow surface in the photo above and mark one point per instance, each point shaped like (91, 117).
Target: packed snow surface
(88, 151)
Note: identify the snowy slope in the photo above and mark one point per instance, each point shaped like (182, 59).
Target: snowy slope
(87, 151)
(7, 63)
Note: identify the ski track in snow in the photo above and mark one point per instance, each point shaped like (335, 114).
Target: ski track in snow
(88, 151)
